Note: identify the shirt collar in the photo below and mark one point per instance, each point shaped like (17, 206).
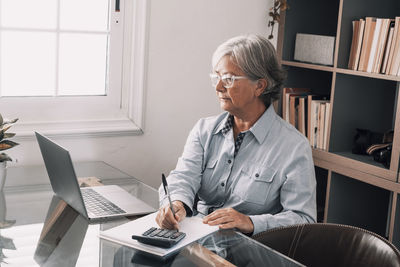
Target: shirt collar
(260, 129)
(223, 126)
(228, 125)
(263, 125)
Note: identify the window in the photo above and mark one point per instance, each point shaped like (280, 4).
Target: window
(67, 66)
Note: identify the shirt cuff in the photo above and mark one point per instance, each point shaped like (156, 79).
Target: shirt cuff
(260, 223)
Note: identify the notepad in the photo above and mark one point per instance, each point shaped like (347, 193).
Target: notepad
(192, 226)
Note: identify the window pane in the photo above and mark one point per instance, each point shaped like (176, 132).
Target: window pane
(27, 63)
(89, 15)
(82, 64)
(29, 13)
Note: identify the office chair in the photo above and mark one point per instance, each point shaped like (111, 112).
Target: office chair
(325, 244)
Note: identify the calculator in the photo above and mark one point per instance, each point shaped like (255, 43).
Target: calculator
(160, 237)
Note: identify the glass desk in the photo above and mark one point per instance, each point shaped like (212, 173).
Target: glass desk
(39, 229)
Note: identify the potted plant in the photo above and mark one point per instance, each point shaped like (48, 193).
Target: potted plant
(274, 13)
(5, 144)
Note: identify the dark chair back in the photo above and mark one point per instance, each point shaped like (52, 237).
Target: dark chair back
(325, 244)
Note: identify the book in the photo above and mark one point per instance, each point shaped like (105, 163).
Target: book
(394, 67)
(294, 109)
(320, 126)
(370, 24)
(302, 115)
(314, 123)
(354, 41)
(285, 99)
(311, 115)
(392, 47)
(192, 226)
(359, 44)
(374, 45)
(383, 35)
(326, 126)
(387, 47)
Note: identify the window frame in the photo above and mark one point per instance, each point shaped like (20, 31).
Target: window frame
(121, 113)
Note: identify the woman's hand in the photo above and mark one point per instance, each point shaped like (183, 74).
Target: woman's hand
(229, 218)
(165, 219)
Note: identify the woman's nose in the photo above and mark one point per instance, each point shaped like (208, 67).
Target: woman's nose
(220, 87)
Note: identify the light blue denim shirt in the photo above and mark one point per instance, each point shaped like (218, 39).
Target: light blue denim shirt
(271, 179)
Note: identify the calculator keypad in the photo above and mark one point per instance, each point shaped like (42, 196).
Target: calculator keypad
(160, 237)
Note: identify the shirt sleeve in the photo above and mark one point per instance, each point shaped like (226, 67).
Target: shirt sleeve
(297, 194)
(184, 180)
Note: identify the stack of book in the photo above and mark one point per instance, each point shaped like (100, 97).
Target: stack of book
(375, 46)
(309, 113)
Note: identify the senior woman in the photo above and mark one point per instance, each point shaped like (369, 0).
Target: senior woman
(250, 169)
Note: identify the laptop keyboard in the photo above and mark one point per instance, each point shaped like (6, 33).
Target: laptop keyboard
(99, 205)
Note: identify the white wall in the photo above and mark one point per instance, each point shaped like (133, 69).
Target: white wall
(183, 35)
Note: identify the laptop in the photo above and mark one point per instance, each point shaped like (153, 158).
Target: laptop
(94, 203)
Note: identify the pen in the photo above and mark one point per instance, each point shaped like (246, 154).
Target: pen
(164, 181)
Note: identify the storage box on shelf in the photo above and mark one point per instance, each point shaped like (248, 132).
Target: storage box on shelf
(355, 189)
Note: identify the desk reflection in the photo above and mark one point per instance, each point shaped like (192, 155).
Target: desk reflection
(62, 236)
(222, 248)
(67, 239)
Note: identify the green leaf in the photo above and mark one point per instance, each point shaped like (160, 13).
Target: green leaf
(8, 135)
(7, 144)
(10, 121)
(5, 128)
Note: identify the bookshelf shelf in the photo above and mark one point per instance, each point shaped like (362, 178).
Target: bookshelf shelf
(340, 70)
(351, 189)
(307, 65)
(354, 162)
(367, 74)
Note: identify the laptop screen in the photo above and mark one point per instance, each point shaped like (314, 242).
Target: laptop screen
(61, 173)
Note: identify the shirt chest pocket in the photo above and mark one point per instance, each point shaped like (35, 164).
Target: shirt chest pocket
(255, 183)
(209, 168)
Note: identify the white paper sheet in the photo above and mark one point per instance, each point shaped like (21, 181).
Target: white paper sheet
(192, 226)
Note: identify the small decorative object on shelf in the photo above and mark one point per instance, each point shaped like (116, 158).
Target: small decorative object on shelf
(274, 13)
(5, 144)
(316, 49)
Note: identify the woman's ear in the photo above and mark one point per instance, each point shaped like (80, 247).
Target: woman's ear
(261, 85)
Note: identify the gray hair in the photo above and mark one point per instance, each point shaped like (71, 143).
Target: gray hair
(257, 58)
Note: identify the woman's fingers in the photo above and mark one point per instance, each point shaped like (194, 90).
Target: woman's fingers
(229, 218)
(180, 212)
(220, 220)
(165, 218)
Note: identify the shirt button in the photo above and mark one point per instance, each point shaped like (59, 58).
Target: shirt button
(229, 161)
(222, 184)
(257, 175)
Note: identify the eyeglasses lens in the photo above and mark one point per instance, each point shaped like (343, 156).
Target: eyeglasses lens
(227, 81)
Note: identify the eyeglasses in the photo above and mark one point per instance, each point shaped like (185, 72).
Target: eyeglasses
(227, 79)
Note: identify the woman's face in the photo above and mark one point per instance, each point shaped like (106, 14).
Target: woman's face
(242, 95)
